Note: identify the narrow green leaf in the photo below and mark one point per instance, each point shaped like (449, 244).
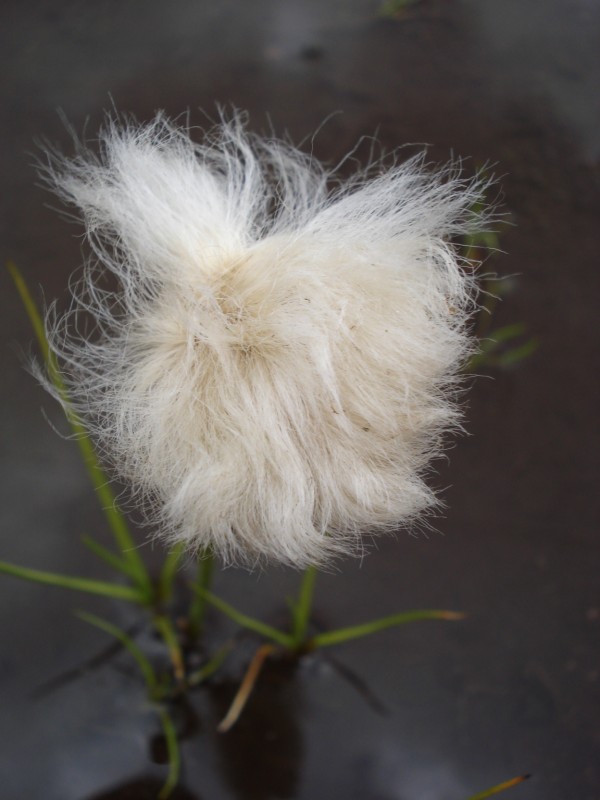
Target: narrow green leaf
(493, 340)
(490, 240)
(173, 754)
(506, 333)
(518, 353)
(31, 309)
(211, 666)
(474, 242)
(486, 346)
(245, 621)
(356, 631)
(489, 345)
(145, 666)
(476, 361)
(114, 517)
(501, 787)
(78, 584)
(105, 554)
(301, 610)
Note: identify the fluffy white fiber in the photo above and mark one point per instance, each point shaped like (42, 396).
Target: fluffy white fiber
(280, 359)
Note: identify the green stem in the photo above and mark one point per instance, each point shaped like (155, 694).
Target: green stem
(116, 520)
(173, 755)
(206, 565)
(303, 607)
(164, 626)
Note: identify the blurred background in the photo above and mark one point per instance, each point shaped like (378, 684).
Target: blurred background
(435, 711)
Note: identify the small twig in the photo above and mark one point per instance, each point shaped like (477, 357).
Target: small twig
(246, 687)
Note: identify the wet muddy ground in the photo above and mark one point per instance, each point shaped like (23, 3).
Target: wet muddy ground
(431, 712)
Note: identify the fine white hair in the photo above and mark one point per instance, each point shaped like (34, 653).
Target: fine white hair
(277, 361)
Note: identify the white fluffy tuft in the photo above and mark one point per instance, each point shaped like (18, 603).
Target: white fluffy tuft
(280, 360)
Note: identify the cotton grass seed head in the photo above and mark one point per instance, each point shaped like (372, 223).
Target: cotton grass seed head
(279, 362)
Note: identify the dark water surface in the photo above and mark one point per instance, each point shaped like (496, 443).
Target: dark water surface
(446, 709)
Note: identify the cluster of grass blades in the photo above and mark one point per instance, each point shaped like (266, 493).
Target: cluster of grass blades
(297, 641)
(502, 347)
(134, 584)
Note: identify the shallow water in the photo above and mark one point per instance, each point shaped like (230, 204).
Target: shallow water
(444, 709)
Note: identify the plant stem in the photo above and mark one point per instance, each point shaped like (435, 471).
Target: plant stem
(108, 503)
(164, 626)
(303, 607)
(173, 754)
(206, 565)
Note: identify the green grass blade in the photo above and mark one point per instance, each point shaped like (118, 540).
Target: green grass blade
(33, 314)
(506, 333)
(492, 341)
(482, 240)
(501, 787)
(211, 666)
(206, 565)
(302, 608)
(357, 631)
(517, 354)
(245, 621)
(114, 517)
(489, 346)
(113, 630)
(78, 584)
(169, 571)
(173, 754)
(106, 555)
